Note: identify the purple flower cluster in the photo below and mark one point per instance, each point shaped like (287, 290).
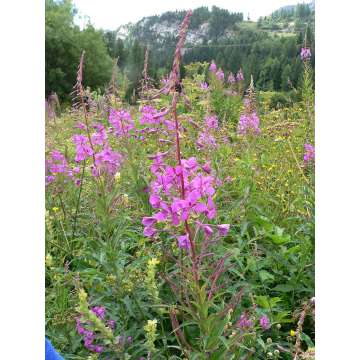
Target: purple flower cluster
(121, 122)
(82, 147)
(309, 153)
(150, 116)
(204, 86)
(90, 336)
(231, 79)
(206, 138)
(206, 141)
(220, 75)
(264, 322)
(305, 53)
(244, 322)
(248, 123)
(165, 80)
(57, 165)
(212, 122)
(106, 161)
(213, 67)
(199, 188)
(239, 76)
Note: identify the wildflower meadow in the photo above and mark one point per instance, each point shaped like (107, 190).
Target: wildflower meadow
(181, 226)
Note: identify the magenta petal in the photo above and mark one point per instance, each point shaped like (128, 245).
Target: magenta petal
(211, 214)
(148, 221)
(175, 219)
(160, 216)
(185, 215)
(200, 208)
(149, 231)
(183, 242)
(207, 230)
(223, 229)
(154, 201)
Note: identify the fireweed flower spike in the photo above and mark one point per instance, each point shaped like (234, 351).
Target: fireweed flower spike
(305, 53)
(204, 86)
(220, 75)
(231, 78)
(121, 121)
(206, 139)
(239, 76)
(213, 67)
(264, 322)
(57, 166)
(244, 322)
(309, 153)
(249, 121)
(212, 122)
(184, 242)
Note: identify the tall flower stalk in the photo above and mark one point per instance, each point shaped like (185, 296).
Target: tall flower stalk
(173, 82)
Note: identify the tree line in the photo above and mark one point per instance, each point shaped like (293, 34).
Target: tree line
(272, 60)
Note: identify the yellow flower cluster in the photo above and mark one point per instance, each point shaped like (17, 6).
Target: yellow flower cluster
(150, 281)
(150, 334)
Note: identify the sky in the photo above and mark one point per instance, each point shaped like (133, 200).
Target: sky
(110, 14)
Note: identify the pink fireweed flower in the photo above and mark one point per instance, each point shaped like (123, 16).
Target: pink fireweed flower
(248, 123)
(231, 78)
(165, 190)
(158, 162)
(111, 324)
(213, 67)
(206, 140)
(239, 76)
(90, 337)
(107, 161)
(83, 149)
(58, 163)
(49, 179)
(57, 166)
(206, 167)
(121, 121)
(100, 136)
(204, 86)
(220, 75)
(244, 322)
(309, 153)
(165, 80)
(223, 229)
(212, 122)
(80, 125)
(150, 116)
(264, 322)
(305, 53)
(184, 242)
(99, 311)
(149, 231)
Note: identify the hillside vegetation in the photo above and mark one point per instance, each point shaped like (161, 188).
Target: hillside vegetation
(268, 50)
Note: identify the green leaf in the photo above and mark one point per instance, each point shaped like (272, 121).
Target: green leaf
(265, 275)
(284, 288)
